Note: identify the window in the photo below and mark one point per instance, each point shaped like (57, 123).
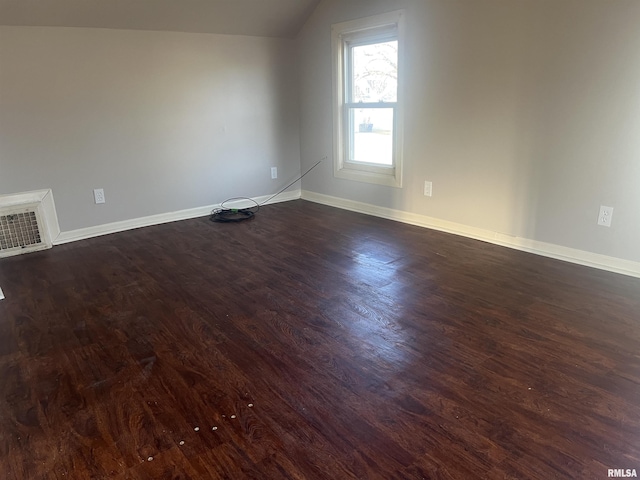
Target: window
(367, 99)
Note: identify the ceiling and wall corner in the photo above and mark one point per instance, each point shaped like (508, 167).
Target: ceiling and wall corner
(169, 107)
(260, 18)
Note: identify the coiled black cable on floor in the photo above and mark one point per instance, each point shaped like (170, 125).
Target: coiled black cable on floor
(224, 214)
(227, 215)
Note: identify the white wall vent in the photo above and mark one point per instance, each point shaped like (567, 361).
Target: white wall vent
(28, 222)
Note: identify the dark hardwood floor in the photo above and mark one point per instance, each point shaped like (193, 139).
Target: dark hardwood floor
(313, 343)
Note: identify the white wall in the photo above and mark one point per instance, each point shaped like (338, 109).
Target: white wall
(525, 114)
(162, 121)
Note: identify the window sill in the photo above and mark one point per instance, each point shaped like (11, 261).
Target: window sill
(390, 179)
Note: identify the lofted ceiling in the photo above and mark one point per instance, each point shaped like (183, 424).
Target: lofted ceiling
(268, 18)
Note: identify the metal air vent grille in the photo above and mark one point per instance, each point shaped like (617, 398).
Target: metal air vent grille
(19, 230)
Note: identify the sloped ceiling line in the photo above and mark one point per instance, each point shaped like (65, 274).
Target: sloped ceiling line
(264, 18)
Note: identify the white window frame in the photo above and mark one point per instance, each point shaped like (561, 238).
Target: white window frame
(383, 28)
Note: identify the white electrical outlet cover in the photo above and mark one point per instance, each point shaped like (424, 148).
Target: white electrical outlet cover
(1, 294)
(605, 216)
(428, 188)
(98, 195)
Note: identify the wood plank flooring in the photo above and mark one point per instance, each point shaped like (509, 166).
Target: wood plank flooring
(313, 343)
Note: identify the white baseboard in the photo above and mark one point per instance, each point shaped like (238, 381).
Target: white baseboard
(581, 257)
(98, 230)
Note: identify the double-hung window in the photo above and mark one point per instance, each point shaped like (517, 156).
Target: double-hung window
(367, 73)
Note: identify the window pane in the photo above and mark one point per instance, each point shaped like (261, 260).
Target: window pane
(375, 72)
(372, 130)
